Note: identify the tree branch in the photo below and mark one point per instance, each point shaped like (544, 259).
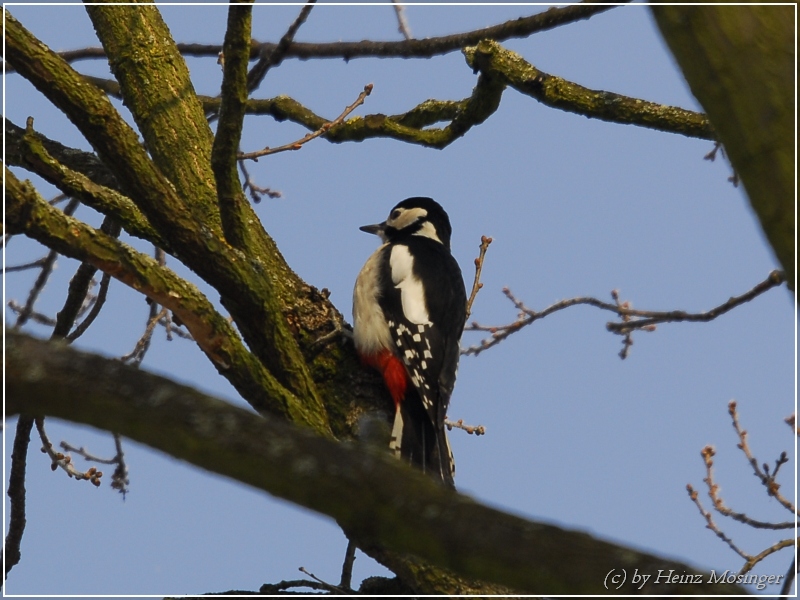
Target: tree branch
(156, 85)
(324, 128)
(272, 57)
(33, 154)
(374, 497)
(116, 143)
(85, 163)
(415, 48)
(647, 321)
(489, 57)
(476, 284)
(751, 98)
(28, 213)
(256, 290)
(406, 127)
(16, 493)
(229, 128)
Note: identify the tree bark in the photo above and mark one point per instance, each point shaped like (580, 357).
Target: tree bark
(740, 64)
(377, 500)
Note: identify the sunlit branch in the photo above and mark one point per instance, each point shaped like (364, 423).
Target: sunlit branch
(230, 197)
(324, 128)
(27, 212)
(492, 59)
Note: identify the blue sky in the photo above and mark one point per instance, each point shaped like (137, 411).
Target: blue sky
(575, 436)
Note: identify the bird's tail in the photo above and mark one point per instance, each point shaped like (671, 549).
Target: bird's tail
(415, 439)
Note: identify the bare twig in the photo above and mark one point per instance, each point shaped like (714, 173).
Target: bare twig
(402, 22)
(337, 332)
(270, 56)
(788, 543)
(414, 48)
(310, 136)
(83, 452)
(767, 480)
(713, 526)
(790, 577)
(31, 265)
(719, 505)
(627, 340)
(647, 319)
(173, 328)
(26, 311)
(96, 306)
(327, 586)
(64, 461)
(16, 493)
(476, 284)
(158, 314)
(34, 316)
(470, 429)
(136, 356)
(347, 566)
(119, 479)
(775, 278)
(256, 191)
(47, 268)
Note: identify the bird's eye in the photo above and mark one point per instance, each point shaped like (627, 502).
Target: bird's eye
(395, 214)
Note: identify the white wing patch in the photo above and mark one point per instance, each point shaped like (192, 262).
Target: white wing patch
(412, 294)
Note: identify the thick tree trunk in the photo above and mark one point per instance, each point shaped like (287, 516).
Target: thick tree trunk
(740, 63)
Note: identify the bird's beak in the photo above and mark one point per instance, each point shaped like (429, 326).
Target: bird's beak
(376, 229)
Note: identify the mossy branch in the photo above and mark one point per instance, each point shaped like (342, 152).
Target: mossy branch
(157, 87)
(490, 58)
(28, 213)
(34, 156)
(256, 289)
(233, 98)
(117, 145)
(85, 163)
(375, 498)
(406, 127)
(498, 67)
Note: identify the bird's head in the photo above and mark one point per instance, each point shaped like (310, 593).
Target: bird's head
(414, 216)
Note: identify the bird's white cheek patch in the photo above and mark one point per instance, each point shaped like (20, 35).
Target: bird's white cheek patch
(412, 294)
(429, 231)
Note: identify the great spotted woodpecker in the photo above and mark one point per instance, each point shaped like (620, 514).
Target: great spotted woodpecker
(409, 308)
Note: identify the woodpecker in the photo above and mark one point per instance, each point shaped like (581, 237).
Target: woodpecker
(409, 309)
